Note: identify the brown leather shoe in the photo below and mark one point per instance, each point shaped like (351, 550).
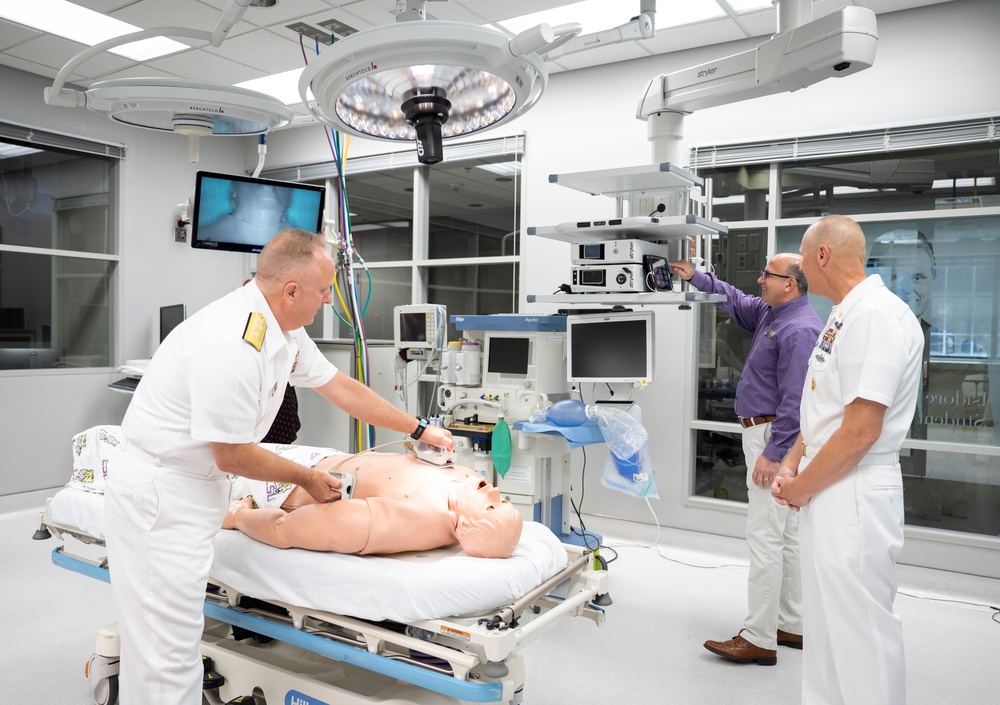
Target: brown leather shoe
(740, 650)
(793, 641)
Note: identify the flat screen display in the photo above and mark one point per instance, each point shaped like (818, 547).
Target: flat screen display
(413, 327)
(170, 318)
(508, 356)
(610, 348)
(241, 214)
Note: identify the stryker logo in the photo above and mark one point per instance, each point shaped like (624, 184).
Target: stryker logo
(205, 109)
(294, 697)
(367, 69)
(707, 72)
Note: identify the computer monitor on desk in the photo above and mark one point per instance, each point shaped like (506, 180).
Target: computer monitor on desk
(171, 317)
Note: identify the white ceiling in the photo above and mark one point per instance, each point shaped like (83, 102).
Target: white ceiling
(261, 43)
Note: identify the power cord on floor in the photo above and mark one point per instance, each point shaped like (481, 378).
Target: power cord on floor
(659, 551)
(996, 610)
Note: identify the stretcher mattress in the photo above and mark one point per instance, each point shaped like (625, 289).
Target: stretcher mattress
(404, 588)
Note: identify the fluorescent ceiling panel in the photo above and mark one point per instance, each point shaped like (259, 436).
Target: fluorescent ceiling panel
(965, 183)
(284, 86)
(502, 168)
(675, 14)
(740, 6)
(16, 150)
(593, 16)
(65, 19)
(598, 15)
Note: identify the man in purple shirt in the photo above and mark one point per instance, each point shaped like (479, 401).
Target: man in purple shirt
(785, 328)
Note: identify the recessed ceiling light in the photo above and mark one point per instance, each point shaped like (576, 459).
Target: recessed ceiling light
(284, 86)
(8, 151)
(502, 168)
(741, 6)
(65, 19)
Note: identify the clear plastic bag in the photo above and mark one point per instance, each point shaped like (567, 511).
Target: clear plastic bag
(629, 468)
(623, 433)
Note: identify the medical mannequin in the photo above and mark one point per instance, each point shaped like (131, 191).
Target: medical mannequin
(399, 504)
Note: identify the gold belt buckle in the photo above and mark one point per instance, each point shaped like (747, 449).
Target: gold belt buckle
(804, 449)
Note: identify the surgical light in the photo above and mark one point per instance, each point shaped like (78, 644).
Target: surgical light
(188, 108)
(428, 80)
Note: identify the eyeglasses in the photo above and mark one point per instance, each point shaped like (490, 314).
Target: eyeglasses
(765, 274)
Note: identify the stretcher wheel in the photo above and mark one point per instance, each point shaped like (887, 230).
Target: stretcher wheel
(102, 676)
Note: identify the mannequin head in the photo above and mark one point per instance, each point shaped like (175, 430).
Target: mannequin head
(486, 525)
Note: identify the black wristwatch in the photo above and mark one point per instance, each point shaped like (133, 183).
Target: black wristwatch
(421, 425)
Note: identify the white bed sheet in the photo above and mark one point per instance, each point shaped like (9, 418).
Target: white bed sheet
(402, 588)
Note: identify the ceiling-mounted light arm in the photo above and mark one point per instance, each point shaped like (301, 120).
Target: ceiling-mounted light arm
(231, 15)
(641, 27)
(58, 94)
(543, 38)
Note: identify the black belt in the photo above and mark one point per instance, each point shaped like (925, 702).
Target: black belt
(756, 421)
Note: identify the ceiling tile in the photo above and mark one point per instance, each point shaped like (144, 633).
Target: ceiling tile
(604, 55)
(190, 14)
(261, 49)
(278, 14)
(760, 24)
(104, 6)
(49, 50)
(138, 72)
(12, 34)
(29, 66)
(492, 10)
(200, 65)
(701, 34)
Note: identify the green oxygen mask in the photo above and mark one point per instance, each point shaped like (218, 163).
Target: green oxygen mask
(500, 446)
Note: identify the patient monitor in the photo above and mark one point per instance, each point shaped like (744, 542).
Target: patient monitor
(419, 329)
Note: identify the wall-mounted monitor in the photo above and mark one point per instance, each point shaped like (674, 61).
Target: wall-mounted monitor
(241, 214)
(610, 348)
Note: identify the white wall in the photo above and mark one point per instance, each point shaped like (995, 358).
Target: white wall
(40, 412)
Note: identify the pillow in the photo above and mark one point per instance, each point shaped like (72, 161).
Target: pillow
(91, 451)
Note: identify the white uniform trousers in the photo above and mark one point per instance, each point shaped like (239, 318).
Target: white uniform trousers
(160, 522)
(851, 534)
(774, 588)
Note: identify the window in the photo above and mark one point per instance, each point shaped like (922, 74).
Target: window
(931, 218)
(468, 259)
(58, 253)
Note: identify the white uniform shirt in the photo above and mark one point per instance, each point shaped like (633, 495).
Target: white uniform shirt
(870, 348)
(205, 384)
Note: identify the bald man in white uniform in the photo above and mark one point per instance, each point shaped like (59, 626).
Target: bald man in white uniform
(857, 404)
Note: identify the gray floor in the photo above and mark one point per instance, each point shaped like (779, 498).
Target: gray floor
(667, 602)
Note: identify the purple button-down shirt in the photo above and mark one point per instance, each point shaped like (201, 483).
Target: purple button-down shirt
(775, 369)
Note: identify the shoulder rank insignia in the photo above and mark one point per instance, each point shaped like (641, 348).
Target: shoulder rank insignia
(254, 332)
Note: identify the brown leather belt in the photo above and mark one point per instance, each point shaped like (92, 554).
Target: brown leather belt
(756, 421)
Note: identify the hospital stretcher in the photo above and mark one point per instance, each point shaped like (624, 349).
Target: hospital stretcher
(307, 628)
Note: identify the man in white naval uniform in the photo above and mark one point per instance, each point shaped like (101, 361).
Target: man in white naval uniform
(857, 405)
(210, 394)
